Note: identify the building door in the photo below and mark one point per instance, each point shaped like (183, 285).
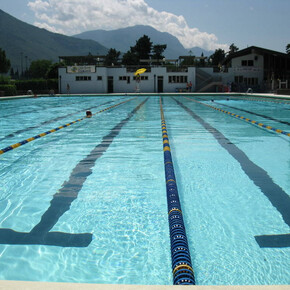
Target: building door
(110, 85)
(160, 84)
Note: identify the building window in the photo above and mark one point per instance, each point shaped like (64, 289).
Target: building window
(244, 63)
(99, 78)
(177, 79)
(239, 79)
(83, 78)
(249, 62)
(251, 81)
(124, 78)
(142, 78)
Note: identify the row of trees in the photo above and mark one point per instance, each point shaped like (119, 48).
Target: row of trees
(4, 62)
(42, 75)
(38, 69)
(288, 48)
(144, 49)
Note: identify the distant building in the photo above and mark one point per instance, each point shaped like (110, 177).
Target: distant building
(260, 69)
(90, 79)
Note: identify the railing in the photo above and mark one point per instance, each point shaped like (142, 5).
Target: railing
(204, 79)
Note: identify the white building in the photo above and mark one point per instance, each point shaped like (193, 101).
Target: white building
(92, 79)
(257, 68)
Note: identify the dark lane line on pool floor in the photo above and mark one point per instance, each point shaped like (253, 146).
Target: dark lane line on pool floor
(39, 109)
(48, 122)
(276, 195)
(23, 142)
(63, 199)
(256, 114)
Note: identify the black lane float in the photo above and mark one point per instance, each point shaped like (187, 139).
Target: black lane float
(181, 261)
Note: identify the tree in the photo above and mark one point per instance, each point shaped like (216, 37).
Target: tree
(4, 62)
(218, 56)
(39, 68)
(143, 47)
(158, 50)
(129, 58)
(233, 48)
(142, 50)
(188, 60)
(52, 71)
(288, 48)
(12, 74)
(201, 63)
(112, 57)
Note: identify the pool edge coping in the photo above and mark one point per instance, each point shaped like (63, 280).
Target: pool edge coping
(13, 285)
(265, 95)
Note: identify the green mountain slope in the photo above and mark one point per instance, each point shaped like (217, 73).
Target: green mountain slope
(24, 42)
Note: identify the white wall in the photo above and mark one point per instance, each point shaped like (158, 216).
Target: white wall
(80, 87)
(256, 71)
(237, 69)
(121, 86)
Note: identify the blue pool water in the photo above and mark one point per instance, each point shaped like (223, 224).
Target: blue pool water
(233, 180)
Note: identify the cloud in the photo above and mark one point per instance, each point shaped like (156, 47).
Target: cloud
(74, 16)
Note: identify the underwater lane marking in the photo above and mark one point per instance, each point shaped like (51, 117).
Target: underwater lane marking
(243, 118)
(273, 241)
(276, 195)
(62, 200)
(180, 256)
(6, 149)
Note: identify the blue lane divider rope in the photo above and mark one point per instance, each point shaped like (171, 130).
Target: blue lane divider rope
(244, 119)
(183, 273)
(16, 145)
(261, 100)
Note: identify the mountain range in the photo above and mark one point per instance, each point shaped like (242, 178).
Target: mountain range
(24, 43)
(122, 39)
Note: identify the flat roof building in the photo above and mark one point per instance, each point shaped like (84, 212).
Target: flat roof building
(257, 68)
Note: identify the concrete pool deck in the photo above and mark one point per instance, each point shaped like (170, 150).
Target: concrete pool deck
(20, 285)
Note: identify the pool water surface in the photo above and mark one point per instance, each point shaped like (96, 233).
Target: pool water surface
(87, 203)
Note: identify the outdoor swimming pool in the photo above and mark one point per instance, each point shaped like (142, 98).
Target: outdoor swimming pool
(112, 226)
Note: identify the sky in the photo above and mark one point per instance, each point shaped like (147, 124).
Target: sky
(209, 24)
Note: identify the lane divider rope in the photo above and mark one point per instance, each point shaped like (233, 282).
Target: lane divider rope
(260, 100)
(16, 145)
(270, 128)
(182, 271)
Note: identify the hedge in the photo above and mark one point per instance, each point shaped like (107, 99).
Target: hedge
(9, 90)
(37, 85)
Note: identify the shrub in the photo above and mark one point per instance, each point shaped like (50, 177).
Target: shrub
(37, 85)
(9, 90)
